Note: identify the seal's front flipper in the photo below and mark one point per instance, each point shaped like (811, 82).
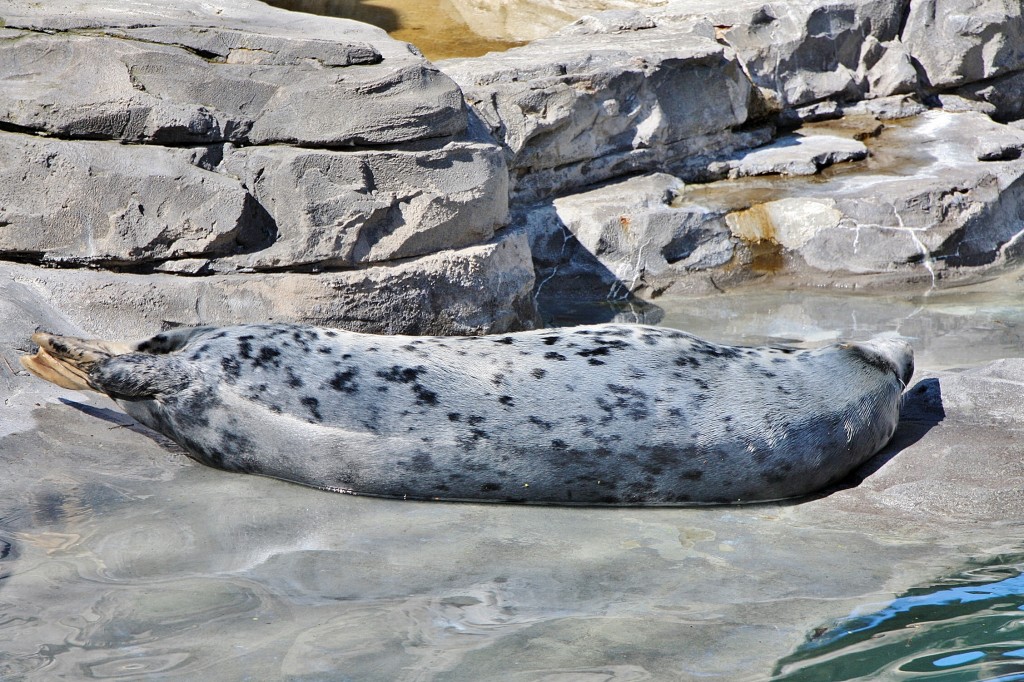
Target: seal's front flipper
(67, 361)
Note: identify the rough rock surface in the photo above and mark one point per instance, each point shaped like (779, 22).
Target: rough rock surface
(480, 289)
(938, 200)
(567, 126)
(145, 74)
(198, 141)
(602, 102)
(956, 43)
(799, 154)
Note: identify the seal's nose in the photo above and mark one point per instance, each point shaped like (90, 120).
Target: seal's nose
(896, 352)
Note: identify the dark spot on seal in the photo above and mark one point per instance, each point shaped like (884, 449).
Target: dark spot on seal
(313, 405)
(595, 362)
(600, 350)
(424, 396)
(475, 420)
(537, 421)
(421, 462)
(232, 368)
(701, 383)
(538, 373)
(268, 355)
(691, 474)
(506, 400)
(498, 379)
(402, 375)
(505, 340)
(554, 356)
(325, 350)
(551, 340)
(559, 444)
(490, 487)
(345, 381)
(294, 380)
(454, 416)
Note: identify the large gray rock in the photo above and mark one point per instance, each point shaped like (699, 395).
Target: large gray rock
(627, 91)
(802, 51)
(605, 100)
(956, 42)
(486, 288)
(195, 77)
(195, 141)
(104, 203)
(347, 208)
(636, 234)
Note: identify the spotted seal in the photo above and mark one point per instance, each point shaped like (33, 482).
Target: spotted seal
(600, 415)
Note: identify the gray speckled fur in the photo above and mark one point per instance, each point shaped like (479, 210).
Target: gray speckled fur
(606, 414)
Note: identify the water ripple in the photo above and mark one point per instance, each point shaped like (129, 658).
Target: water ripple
(971, 627)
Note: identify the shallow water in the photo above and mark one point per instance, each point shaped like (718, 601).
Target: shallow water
(122, 559)
(950, 328)
(434, 26)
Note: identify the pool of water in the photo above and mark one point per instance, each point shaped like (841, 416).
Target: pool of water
(122, 559)
(949, 328)
(967, 627)
(434, 26)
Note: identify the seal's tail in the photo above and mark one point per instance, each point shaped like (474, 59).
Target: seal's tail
(67, 361)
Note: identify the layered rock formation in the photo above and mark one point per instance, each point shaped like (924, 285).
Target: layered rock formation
(219, 144)
(228, 143)
(709, 94)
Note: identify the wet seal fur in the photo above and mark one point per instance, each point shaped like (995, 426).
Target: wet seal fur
(599, 415)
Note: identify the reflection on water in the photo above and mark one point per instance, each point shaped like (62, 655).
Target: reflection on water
(950, 328)
(433, 26)
(970, 627)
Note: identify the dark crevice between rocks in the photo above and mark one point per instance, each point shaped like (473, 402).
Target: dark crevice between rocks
(166, 139)
(21, 130)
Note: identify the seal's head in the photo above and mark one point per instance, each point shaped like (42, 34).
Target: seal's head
(889, 353)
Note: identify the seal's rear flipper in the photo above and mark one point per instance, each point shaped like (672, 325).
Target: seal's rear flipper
(67, 361)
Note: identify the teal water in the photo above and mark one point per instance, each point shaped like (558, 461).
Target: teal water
(968, 627)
